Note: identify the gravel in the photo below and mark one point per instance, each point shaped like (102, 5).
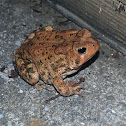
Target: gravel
(104, 98)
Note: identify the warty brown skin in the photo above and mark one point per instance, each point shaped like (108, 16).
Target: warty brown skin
(51, 55)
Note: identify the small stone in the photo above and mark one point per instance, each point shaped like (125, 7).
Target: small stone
(18, 43)
(21, 91)
(1, 116)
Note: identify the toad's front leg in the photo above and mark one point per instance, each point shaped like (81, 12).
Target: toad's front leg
(66, 89)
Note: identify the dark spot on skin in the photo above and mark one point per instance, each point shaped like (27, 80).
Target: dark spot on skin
(53, 67)
(57, 36)
(28, 61)
(47, 82)
(40, 43)
(59, 90)
(42, 53)
(25, 77)
(48, 57)
(49, 73)
(21, 69)
(43, 73)
(61, 37)
(66, 58)
(56, 32)
(58, 61)
(45, 67)
(40, 33)
(49, 76)
(30, 77)
(53, 46)
(30, 43)
(67, 93)
(50, 34)
(30, 70)
(71, 34)
(38, 38)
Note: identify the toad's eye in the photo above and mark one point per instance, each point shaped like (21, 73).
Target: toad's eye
(82, 50)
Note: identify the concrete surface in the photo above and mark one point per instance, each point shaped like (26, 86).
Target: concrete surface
(104, 98)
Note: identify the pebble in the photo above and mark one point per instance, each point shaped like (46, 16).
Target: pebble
(1, 116)
(17, 43)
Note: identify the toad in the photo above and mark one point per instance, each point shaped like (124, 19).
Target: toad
(47, 56)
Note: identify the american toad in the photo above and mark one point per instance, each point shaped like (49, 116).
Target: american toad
(50, 55)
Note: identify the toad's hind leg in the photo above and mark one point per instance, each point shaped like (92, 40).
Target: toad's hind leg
(26, 68)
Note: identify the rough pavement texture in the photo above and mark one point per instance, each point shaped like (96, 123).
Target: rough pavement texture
(104, 98)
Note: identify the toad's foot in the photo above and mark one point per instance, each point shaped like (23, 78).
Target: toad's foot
(68, 88)
(75, 87)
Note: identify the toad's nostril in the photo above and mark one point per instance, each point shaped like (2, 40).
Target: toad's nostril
(82, 50)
